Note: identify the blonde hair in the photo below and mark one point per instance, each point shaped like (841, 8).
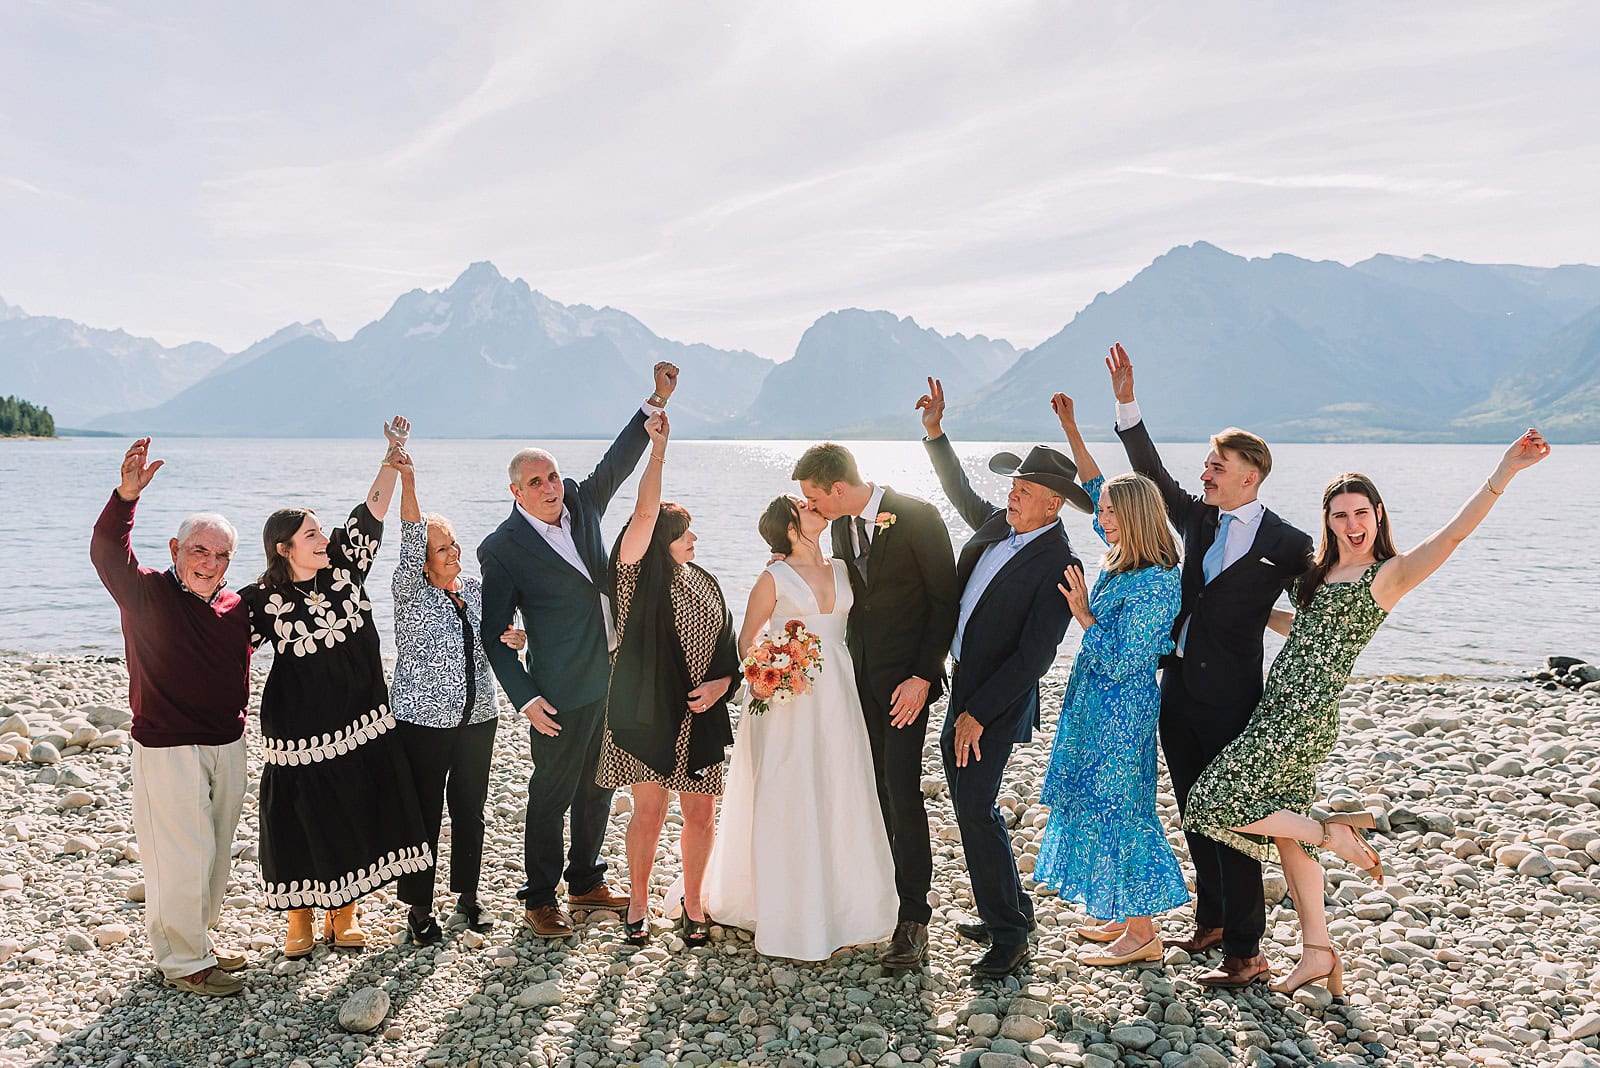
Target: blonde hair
(1145, 538)
(1247, 446)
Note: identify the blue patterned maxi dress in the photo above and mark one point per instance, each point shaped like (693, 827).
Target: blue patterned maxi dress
(1104, 846)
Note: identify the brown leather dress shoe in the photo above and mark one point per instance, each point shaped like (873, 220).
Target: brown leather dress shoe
(1204, 938)
(548, 921)
(599, 896)
(909, 946)
(1237, 971)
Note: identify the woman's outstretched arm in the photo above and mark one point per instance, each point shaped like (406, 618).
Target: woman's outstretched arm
(382, 492)
(1062, 405)
(1404, 573)
(648, 506)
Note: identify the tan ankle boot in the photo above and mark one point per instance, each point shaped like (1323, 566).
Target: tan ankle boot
(343, 928)
(301, 935)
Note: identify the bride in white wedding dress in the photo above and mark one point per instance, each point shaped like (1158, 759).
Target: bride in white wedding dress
(801, 857)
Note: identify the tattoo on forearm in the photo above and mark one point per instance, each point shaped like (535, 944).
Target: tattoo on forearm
(374, 496)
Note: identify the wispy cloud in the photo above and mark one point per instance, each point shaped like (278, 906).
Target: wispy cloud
(1379, 183)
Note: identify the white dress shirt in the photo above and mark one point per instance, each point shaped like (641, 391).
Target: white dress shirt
(995, 556)
(870, 512)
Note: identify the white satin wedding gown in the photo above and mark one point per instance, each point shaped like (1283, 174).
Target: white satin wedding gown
(801, 856)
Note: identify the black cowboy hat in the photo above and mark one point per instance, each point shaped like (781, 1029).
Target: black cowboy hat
(1049, 469)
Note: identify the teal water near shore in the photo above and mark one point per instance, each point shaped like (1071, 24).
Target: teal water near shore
(1525, 585)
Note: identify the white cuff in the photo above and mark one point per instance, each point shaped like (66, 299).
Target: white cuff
(1128, 415)
(530, 704)
(650, 409)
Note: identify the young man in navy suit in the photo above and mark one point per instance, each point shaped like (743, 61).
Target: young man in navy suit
(1011, 622)
(548, 560)
(1238, 556)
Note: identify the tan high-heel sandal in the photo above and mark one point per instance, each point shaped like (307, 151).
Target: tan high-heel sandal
(343, 928)
(1333, 978)
(1357, 822)
(301, 936)
(1098, 932)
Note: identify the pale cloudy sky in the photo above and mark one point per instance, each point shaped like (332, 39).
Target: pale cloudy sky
(728, 171)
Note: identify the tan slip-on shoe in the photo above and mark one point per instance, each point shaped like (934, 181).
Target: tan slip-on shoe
(211, 982)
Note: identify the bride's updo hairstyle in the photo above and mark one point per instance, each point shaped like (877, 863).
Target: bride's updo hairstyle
(780, 517)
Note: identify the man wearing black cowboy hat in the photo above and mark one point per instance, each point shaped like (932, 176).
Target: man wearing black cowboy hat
(1011, 623)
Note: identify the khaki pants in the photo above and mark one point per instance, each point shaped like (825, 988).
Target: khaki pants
(186, 802)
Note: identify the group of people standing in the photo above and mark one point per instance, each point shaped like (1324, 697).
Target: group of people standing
(627, 665)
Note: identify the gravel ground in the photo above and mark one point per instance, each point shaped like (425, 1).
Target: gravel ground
(1482, 949)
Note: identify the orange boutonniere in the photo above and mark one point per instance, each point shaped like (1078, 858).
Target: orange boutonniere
(884, 521)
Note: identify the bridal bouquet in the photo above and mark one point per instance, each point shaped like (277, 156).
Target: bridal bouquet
(782, 667)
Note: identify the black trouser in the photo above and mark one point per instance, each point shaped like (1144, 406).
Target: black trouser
(450, 765)
(897, 765)
(1227, 883)
(563, 779)
(985, 841)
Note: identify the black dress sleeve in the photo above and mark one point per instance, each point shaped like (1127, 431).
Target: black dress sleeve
(355, 545)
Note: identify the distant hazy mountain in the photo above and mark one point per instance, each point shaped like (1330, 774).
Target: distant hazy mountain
(1556, 387)
(854, 369)
(79, 372)
(486, 357)
(1297, 349)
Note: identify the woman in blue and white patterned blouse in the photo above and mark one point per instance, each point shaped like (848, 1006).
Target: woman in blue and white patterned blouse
(443, 696)
(1104, 846)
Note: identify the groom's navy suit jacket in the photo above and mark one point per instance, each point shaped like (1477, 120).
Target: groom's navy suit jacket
(1011, 639)
(567, 663)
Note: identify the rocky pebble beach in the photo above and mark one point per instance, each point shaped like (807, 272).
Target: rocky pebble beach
(1483, 947)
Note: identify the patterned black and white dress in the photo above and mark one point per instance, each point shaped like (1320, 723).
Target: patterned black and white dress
(339, 814)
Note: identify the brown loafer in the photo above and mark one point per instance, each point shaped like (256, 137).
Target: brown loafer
(599, 896)
(1204, 938)
(548, 921)
(1237, 972)
(909, 946)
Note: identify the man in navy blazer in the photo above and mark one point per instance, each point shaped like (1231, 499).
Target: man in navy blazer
(1238, 557)
(1011, 623)
(548, 560)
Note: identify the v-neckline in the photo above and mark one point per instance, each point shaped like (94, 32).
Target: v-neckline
(833, 572)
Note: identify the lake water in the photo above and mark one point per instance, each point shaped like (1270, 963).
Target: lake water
(1523, 586)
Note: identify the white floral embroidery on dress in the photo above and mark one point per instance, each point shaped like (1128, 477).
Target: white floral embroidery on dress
(315, 750)
(362, 548)
(301, 894)
(331, 622)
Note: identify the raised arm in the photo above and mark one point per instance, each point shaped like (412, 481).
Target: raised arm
(971, 507)
(647, 508)
(757, 611)
(1062, 405)
(1136, 439)
(1404, 573)
(409, 574)
(623, 455)
(397, 431)
(111, 546)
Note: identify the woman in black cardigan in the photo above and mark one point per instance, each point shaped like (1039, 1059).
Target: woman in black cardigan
(667, 722)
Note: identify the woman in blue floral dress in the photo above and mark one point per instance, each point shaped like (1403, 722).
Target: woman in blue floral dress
(1256, 794)
(1104, 846)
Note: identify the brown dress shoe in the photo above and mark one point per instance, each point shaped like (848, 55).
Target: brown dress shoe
(1237, 971)
(548, 921)
(909, 946)
(1204, 938)
(599, 896)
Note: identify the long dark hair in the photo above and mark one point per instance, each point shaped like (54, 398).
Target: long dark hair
(281, 526)
(1328, 552)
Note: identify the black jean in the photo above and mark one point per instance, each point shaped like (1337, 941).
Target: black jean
(563, 780)
(897, 765)
(450, 765)
(1227, 883)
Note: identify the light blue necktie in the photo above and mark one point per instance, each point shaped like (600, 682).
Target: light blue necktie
(1212, 564)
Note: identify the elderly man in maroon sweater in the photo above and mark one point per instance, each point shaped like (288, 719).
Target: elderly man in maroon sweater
(188, 647)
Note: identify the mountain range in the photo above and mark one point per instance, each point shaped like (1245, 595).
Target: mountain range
(1386, 349)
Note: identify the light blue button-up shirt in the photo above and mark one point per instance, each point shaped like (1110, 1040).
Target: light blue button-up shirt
(996, 556)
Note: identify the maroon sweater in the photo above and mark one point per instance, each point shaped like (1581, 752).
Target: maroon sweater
(188, 661)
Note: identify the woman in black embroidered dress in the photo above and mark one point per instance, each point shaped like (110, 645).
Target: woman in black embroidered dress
(339, 814)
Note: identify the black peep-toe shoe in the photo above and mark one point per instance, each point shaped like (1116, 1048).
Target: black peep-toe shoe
(636, 932)
(696, 933)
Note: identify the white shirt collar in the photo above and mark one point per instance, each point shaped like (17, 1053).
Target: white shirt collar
(1248, 514)
(874, 504)
(540, 525)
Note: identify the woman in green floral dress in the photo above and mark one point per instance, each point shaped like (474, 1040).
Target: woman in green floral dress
(1256, 795)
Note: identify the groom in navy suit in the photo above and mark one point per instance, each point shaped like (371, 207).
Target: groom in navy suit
(548, 559)
(1011, 623)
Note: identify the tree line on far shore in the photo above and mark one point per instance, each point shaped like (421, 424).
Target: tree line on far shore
(18, 418)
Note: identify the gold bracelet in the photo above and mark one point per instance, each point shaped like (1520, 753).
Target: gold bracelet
(658, 400)
(1490, 487)
(658, 459)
